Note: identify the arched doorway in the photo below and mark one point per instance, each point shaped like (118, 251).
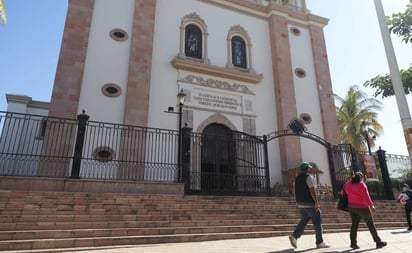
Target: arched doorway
(218, 171)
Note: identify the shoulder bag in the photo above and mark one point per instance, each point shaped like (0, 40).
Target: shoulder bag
(343, 201)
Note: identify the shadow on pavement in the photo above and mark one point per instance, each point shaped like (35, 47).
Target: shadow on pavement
(400, 232)
(313, 250)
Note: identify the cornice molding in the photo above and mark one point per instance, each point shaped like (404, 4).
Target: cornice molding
(23, 99)
(317, 20)
(202, 68)
(304, 16)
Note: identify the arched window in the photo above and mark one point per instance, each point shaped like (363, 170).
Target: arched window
(193, 41)
(238, 52)
(193, 38)
(239, 48)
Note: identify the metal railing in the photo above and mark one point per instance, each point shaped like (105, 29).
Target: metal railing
(36, 145)
(42, 146)
(397, 164)
(232, 163)
(25, 144)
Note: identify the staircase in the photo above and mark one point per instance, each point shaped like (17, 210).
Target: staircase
(36, 220)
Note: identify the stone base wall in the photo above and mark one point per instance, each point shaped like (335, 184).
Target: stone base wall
(87, 185)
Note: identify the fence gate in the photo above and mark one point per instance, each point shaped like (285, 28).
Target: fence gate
(342, 158)
(251, 162)
(342, 162)
(221, 161)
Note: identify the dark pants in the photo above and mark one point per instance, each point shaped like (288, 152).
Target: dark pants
(408, 209)
(362, 213)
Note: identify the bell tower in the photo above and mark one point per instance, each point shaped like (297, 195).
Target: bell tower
(105, 61)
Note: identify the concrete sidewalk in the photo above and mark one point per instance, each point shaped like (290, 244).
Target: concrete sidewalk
(399, 241)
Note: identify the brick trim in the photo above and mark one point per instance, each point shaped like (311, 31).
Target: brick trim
(140, 66)
(289, 148)
(70, 67)
(324, 84)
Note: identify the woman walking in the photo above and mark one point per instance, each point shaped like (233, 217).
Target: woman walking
(360, 206)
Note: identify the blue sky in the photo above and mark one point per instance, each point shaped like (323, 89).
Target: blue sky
(356, 54)
(30, 45)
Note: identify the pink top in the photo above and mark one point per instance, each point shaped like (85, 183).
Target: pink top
(358, 195)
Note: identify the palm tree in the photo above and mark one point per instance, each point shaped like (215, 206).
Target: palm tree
(357, 118)
(3, 15)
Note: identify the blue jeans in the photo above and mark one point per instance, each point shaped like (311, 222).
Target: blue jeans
(307, 214)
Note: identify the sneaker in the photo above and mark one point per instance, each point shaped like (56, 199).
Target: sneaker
(293, 241)
(354, 246)
(322, 245)
(380, 245)
(409, 229)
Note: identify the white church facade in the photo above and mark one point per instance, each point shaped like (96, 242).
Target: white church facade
(248, 66)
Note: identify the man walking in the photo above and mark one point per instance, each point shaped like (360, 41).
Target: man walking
(308, 206)
(405, 198)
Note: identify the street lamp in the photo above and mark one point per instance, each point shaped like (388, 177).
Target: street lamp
(366, 136)
(181, 97)
(367, 142)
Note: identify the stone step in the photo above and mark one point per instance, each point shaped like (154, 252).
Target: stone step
(114, 232)
(95, 241)
(52, 220)
(138, 225)
(41, 222)
(168, 219)
(176, 216)
(27, 207)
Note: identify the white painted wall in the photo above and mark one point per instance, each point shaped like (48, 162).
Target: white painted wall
(307, 99)
(164, 86)
(164, 77)
(107, 60)
(26, 105)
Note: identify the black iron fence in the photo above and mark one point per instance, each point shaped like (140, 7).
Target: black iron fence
(219, 161)
(42, 146)
(35, 145)
(25, 144)
(374, 166)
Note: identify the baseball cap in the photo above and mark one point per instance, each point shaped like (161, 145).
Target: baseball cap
(305, 166)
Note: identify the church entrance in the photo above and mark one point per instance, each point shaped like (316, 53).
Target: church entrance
(223, 161)
(218, 171)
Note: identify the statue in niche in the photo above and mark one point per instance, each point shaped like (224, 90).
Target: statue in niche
(193, 42)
